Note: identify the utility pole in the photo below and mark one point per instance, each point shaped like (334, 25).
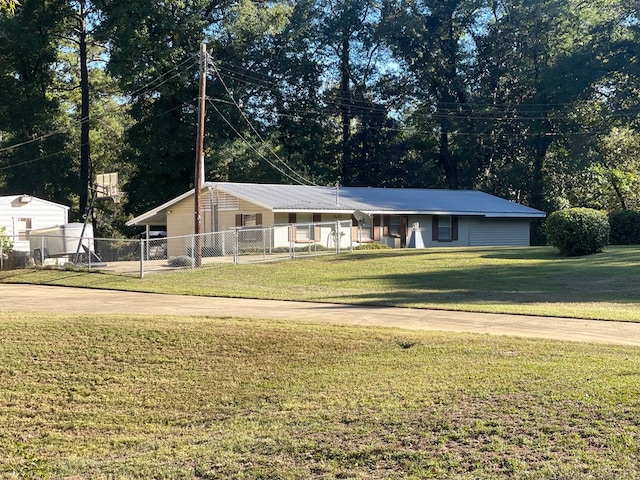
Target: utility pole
(84, 110)
(199, 170)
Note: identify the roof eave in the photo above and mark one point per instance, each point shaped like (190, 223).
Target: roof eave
(141, 219)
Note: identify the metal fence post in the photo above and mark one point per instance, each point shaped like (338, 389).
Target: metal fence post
(292, 241)
(236, 248)
(350, 238)
(142, 258)
(224, 243)
(193, 251)
(91, 248)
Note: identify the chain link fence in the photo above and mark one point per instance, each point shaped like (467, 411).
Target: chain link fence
(240, 245)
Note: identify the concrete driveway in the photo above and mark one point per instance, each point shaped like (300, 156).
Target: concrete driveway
(37, 298)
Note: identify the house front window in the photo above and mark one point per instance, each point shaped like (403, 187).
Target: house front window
(251, 222)
(444, 228)
(304, 229)
(23, 228)
(394, 225)
(248, 220)
(364, 228)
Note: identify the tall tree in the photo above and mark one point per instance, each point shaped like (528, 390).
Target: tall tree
(432, 40)
(152, 54)
(353, 56)
(36, 158)
(108, 117)
(538, 63)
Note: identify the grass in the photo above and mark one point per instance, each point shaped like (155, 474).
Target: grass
(533, 281)
(151, 397)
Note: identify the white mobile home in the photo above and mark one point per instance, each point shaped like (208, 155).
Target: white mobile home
(20, 214)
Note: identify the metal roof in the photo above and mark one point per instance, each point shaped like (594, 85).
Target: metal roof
(302, 198)
(292, 198)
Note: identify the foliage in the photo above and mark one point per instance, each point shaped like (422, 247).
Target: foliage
(5, 242)
(372, 246)
(30, 114)
(625, 227)
(533, 101)
(578, 231)
(8, 6)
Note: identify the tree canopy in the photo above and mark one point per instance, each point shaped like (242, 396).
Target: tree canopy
(535, 101)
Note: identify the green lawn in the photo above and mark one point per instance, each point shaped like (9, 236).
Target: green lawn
(86, 396)
(534, 281)
(89, 397)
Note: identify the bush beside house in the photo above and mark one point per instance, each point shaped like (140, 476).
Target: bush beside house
(625, 227)
(578, 231)
(5, 246)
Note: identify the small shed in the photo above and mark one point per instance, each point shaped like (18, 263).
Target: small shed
(20, 214)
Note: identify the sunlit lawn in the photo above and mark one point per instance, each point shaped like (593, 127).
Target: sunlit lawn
(152, 397)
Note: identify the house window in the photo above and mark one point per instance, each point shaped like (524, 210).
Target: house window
(23, 227)
(394, 226)
(363, 227)
(251, 222)
(304, 229)
(444, 228)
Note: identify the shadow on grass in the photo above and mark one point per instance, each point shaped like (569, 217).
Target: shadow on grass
(598, 279)
(62, 277)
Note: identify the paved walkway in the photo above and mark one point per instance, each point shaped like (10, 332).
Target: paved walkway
(36, 298)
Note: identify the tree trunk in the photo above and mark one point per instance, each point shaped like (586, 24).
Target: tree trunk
(345, 108)
(447, 162)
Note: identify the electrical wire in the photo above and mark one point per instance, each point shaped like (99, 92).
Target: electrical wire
(33, 160)
(301, 178)
(449, 110)
(98, 117)
(250, 145)
(75, 123)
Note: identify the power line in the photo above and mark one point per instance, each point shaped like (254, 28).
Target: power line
(301, 178)
(250, 145)
(33, 160)
(74, 124)
(451, 110)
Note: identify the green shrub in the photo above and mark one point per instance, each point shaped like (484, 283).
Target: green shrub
(624, 227)
(5, 242)
(578, 231)
(372, 246)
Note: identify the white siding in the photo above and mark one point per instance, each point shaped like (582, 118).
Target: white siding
(485, 232)
(41, 213)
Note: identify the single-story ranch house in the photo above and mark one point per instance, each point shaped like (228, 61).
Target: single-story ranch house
(383, 215)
